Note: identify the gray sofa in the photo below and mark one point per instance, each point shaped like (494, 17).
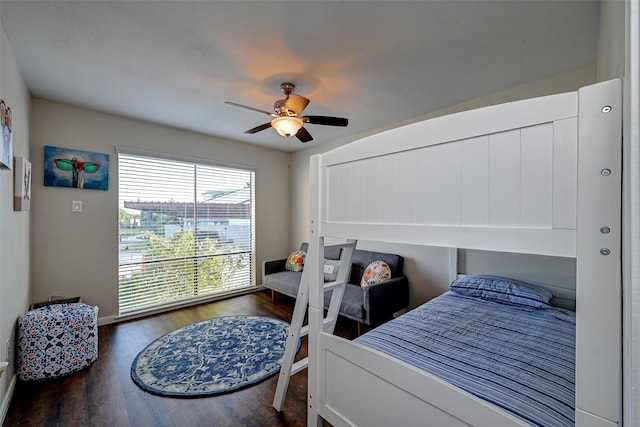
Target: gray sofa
(370, 306)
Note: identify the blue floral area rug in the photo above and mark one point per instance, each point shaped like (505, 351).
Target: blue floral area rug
(211, 357)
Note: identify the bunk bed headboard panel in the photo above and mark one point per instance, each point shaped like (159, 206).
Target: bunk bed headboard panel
(540, 176)
(505, 181)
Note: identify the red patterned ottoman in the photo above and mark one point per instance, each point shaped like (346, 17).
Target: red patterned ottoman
(56, 340)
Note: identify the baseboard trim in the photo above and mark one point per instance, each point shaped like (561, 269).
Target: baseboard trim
(153, 311)
(107, 320)
(7, 399)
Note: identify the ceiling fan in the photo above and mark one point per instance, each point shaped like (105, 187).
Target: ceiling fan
(286, 116)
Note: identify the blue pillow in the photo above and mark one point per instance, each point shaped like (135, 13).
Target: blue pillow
(502, 290)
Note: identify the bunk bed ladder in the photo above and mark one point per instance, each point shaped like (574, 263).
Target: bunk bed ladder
(297, 330)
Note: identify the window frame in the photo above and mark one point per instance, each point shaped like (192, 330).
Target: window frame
(251, 238)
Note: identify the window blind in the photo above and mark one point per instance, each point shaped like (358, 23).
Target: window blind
(186, 231)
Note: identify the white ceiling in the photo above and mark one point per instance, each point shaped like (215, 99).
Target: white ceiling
(377, 63)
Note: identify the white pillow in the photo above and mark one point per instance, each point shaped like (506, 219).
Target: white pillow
(331, 270)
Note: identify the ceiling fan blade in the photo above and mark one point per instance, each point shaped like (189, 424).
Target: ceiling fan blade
(296, 103)
(259, 128)
(250, 108)
(303, 135)
(325, 120)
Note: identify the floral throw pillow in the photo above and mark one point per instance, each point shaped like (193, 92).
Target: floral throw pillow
(376, 272)
(295, 261)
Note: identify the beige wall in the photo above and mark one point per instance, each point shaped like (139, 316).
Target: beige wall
(611, 44)
(426, 267)
(14, 226)
(76, 254)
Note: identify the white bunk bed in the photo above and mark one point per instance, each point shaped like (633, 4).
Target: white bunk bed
(539, 176)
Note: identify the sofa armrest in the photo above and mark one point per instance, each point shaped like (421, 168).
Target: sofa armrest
(273, 266)
(381, 301)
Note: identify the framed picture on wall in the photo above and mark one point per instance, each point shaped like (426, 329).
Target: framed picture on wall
(22, 184)
(66, 167)
(6, 146)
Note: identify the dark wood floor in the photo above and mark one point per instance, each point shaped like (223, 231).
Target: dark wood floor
(104, 394)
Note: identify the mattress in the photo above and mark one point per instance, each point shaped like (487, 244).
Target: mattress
(519, 358)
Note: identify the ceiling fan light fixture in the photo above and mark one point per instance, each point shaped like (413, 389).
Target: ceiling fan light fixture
(286, 126)
(287, 119)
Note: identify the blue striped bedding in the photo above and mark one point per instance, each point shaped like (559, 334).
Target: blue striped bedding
(521, 359)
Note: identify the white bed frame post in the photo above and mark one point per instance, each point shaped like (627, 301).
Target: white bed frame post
(598, 250)
(453, 264)
(318, 322)
(316, 294)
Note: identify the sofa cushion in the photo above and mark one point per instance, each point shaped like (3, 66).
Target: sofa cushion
(295, 261)
(376, 272)
(286, 282)
(330, 252)
(352, 305)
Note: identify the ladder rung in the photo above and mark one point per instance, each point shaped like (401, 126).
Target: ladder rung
(299, 365)
(331, 285)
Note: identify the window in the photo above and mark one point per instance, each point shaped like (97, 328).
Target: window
(186, 231)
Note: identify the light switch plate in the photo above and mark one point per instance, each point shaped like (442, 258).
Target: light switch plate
(76, 206)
